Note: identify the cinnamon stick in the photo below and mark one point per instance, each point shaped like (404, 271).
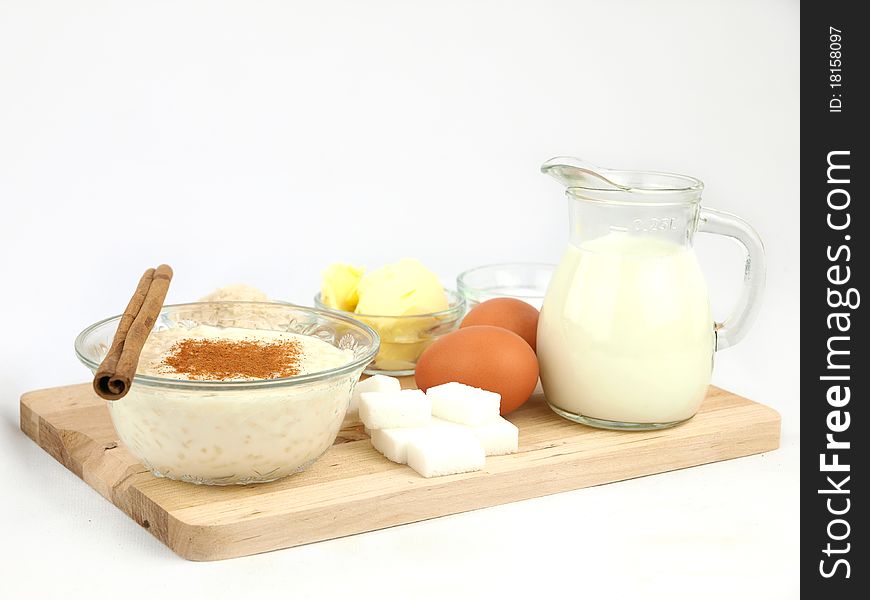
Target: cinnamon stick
(115, 374)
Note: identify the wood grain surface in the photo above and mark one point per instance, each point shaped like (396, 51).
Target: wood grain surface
(353, 489)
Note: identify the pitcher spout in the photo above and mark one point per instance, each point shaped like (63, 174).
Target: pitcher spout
(576, 172)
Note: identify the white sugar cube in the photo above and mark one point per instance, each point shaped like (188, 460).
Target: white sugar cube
(405, 408)
(444, 451)
(393, 442)
(497, 436)
(445, 424)
(375, 383)
(464, 404)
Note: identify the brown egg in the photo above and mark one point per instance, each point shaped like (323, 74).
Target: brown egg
(483, 356)
(509, 313)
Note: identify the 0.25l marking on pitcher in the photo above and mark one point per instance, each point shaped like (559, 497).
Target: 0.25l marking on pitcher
(655, 224)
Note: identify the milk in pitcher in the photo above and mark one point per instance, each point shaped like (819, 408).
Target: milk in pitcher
(625, 333)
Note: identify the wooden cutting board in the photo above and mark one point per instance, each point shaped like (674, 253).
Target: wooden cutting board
(353, 489)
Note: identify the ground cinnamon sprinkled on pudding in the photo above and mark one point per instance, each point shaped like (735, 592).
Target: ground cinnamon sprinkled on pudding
(217, 359)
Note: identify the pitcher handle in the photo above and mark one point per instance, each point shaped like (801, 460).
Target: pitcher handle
(734, 328)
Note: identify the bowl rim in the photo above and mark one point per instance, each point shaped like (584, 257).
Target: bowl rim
(211, 384)
(463, 285)
(455, 305)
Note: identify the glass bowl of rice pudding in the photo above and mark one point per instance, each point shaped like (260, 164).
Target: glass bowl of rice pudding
(236, 392)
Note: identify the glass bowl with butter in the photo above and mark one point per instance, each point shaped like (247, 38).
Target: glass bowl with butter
(403, 301)
(236, 392)
(405, 337)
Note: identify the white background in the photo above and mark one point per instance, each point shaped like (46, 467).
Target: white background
(259, 141)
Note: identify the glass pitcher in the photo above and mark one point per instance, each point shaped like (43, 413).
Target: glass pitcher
(625, 337)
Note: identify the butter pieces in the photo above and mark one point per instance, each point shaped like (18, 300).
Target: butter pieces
(395, 290)
(340, 286)
(400, 289)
